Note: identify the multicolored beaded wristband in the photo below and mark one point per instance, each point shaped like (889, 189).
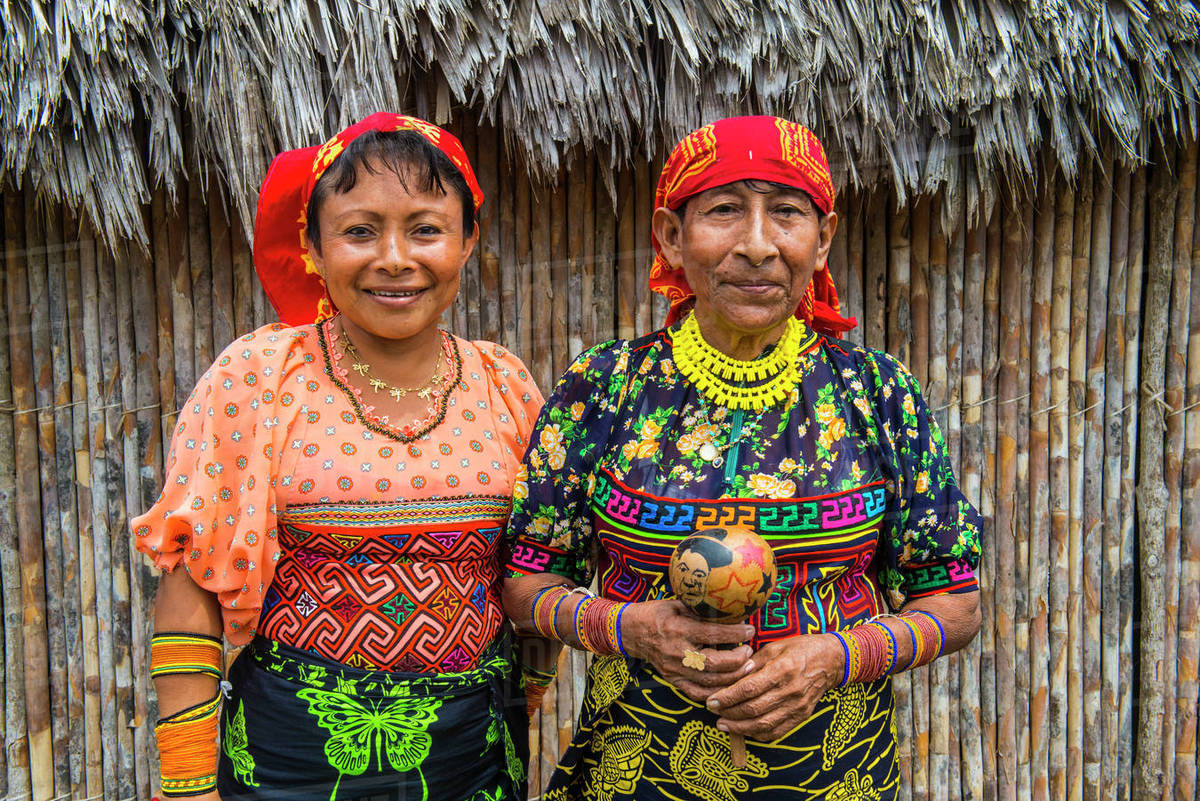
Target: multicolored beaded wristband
(187, 746)
(175, 653)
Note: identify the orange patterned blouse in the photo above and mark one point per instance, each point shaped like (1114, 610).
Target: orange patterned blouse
(318, 525)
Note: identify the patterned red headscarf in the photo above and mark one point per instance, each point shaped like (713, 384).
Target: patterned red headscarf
(739, 149)
(281, 256)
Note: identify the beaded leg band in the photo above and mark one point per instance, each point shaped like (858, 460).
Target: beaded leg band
(187, 747)
(536, 683)
(871, 650)
(596, 621)
(187, 740)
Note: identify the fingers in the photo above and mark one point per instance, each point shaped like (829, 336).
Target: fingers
(703, 633)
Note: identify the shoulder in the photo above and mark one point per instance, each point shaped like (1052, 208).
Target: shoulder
(873, 368)
(267, 350)
(504, 369)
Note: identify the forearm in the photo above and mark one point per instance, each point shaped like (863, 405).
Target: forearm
(959, 615)
(181, 606)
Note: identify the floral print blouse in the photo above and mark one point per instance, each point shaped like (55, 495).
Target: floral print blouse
(849, 481)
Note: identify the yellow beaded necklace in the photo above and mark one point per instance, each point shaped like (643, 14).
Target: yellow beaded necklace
(751, 385)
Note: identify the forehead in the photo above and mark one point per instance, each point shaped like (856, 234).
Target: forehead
(750, 188)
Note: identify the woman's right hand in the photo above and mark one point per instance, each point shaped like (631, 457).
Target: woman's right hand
(659, 632)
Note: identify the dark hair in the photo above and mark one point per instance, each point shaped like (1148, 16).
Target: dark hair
(402, 152)
(762, 187)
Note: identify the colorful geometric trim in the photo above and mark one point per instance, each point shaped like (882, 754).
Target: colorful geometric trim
(367, 514)
(848, 511)
(939, 578)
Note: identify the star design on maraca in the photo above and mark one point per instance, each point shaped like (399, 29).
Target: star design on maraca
(751, 554)
(743, 593)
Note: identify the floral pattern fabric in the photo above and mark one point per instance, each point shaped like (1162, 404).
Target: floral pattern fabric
(848, 481)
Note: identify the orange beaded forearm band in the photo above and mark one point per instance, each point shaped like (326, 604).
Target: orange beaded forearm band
(187, 748)
(926, 631)
(175, 653)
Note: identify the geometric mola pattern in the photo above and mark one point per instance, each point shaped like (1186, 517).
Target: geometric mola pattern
(399, 586)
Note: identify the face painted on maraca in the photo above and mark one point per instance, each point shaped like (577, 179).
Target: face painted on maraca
(692, 578)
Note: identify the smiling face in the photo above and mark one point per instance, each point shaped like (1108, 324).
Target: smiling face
(748, 250)
(391, 258)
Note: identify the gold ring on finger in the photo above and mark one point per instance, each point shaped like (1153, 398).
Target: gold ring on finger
(693, 659)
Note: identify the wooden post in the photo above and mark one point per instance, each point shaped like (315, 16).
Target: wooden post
(1148, 779)
(1114, 379)
(1001, 760)
(16, 742)
(1093, 416)
(1042, 265)
(626, 256)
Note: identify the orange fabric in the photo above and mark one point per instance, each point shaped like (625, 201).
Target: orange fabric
(281, 256)
(740, 149)
(266, 429)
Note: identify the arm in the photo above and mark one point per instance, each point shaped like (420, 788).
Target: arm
(657, 632)
(181, 606)
(788, 677)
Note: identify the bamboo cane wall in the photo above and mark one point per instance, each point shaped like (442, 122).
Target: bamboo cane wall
(1057, 339)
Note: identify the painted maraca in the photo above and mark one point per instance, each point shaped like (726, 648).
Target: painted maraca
(723, 574)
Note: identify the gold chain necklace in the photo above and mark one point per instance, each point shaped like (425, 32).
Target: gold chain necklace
(751, 385)
(424, 391)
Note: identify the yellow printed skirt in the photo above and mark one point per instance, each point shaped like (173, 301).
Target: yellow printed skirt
(640, 738)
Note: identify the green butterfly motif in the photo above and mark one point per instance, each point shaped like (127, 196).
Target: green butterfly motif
(235, 745)
(359, 730)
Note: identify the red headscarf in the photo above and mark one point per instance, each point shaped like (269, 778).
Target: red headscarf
(749, 148)
(281, 256)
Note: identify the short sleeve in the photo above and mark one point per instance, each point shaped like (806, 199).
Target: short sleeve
(216, 514)
(551, 527)
(520, 400)
(931, 535)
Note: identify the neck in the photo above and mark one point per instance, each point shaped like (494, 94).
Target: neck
(741, 345)
(403, 362)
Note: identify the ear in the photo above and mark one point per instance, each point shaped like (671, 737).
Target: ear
(825, 236)
(314, 253)
(469, 244)
(668, 230)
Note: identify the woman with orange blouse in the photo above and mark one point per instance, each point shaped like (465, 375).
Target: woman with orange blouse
(337, 491)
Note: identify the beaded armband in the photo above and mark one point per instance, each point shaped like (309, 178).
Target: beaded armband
(176, 653)
(187, 746)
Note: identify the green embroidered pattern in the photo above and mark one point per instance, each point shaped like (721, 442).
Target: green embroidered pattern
(394, 726)
(235, 745)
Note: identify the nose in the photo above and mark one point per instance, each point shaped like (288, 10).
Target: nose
(392, 254)
(756, 245)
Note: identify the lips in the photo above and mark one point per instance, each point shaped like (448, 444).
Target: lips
(394, 293)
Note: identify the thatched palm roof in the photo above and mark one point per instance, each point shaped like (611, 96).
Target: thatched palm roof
(93, 96)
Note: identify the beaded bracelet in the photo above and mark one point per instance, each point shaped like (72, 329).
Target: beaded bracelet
(545, 605)
(846, 652)
(927, 624)
(915, 636)
(892, 654)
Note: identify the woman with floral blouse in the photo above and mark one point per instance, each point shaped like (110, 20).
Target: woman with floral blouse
(745, 410)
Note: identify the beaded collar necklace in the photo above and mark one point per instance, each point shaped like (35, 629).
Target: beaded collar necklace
(739, 385)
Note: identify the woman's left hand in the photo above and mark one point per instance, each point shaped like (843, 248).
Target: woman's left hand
(782, 690)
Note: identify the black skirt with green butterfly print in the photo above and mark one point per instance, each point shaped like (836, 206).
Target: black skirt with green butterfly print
(299, 727)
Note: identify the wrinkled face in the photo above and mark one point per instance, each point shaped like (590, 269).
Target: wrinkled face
(692, 578)
(748, 249)
(391, 259)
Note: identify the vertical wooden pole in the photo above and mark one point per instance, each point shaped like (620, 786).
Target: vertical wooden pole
(12, 561)
(1175, 392)
(643, 209)
(980, 773)
(1008, 574)
(221, 255)
(627, 272)
(1042, 265)
(606, 264)
(509, 265)
(560, 278)
(1130, 417)
(487, 168)
(1114, 380)
(1189, 605)
(89, 633)
(942, 730)
(524, 249)
(1148, 778)
(29, 501)
(991, 698)
(542, 308)
(874, 322)
(850, 230)
(578, 221)
(1093, 416)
